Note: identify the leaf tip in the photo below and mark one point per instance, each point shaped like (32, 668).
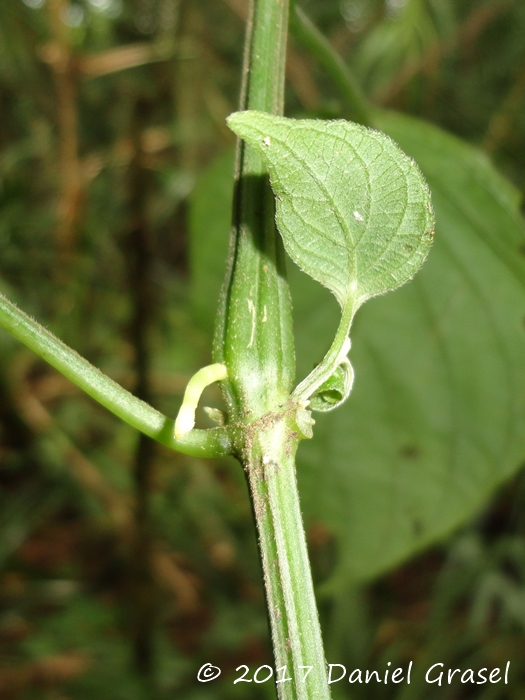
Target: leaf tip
(235, 120)
(248, 125)
(232, 118)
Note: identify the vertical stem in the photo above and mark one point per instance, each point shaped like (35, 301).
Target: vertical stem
(265, 56)
(254, 332)
(254, 340)
(296, 634)
(71, 186)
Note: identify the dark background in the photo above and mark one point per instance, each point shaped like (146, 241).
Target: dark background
(123, 566)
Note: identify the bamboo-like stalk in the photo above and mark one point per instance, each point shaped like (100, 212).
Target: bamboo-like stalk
(254, 340)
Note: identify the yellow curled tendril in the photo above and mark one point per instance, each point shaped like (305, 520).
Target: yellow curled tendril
(204, 377)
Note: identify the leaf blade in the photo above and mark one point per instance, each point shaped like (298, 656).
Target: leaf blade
(353, 210)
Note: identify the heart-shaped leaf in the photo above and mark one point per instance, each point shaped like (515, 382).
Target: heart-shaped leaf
(354, 212)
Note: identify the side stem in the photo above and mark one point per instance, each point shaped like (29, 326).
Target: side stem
(333, 358)
(311, 38)
(199, 443)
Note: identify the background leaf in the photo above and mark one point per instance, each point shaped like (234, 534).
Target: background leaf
(144, 135)
(434, 422)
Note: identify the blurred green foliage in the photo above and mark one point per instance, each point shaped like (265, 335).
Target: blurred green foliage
(125, 567)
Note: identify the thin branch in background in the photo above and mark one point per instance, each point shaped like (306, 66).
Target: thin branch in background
(170, 577)
(468, 33)
(218, 105)
(29, 417)
(52, 386)
(311, 38)
(240, 8)
(138, 257)
(480, 18)
(16, 434)
(299, 73)
(59, 55)
(43, 675)
(123, 58)
(189, 82)
(82, 469)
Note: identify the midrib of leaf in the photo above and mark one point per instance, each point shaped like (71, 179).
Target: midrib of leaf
(354, 244)
(345, 229)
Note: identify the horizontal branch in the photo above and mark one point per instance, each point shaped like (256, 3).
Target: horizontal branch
(140, 415)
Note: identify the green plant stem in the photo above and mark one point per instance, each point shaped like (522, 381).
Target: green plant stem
(331, 360)
(269, 459)
(254, 339)
(140, 415)
(311, 38)
(254, 336)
